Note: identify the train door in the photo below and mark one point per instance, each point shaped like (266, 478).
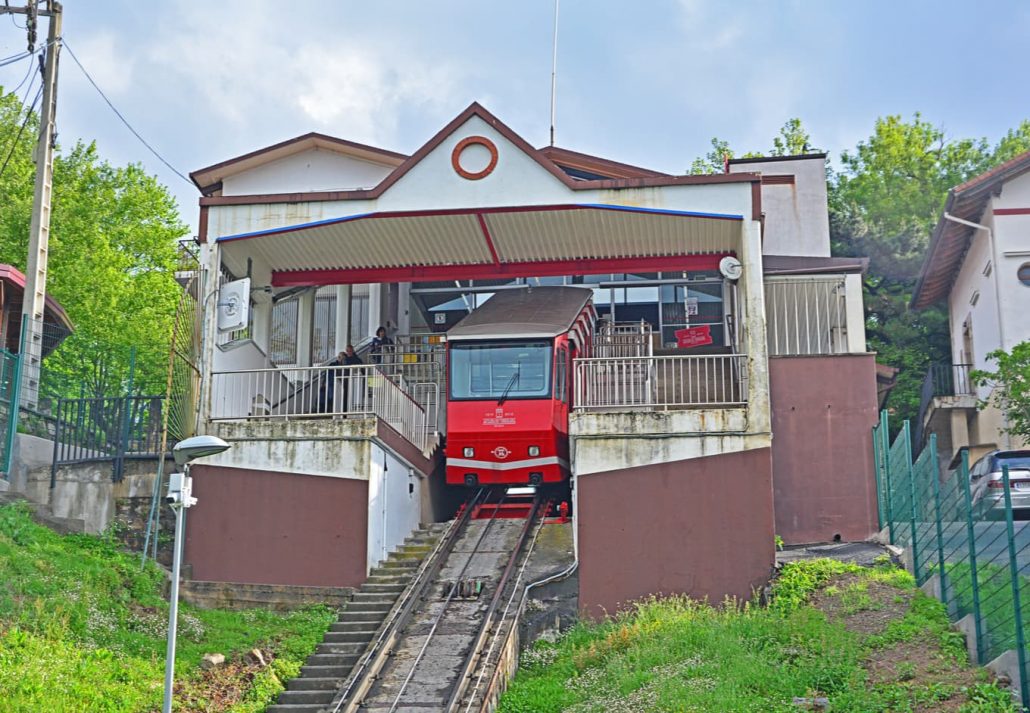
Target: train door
(562, 385)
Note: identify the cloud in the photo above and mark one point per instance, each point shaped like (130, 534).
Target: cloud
(109, 65)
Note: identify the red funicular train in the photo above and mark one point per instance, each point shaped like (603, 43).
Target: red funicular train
(509, 369)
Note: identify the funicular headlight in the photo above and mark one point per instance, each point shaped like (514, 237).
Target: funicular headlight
(534, 451)
(469, 451)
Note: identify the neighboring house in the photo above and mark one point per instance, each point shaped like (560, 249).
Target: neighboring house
(763, 430)
(978, 263)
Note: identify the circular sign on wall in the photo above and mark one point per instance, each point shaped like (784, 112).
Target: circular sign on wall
(474, 157)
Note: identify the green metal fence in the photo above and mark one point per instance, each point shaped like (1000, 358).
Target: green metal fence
(10, 376)
(962, 539)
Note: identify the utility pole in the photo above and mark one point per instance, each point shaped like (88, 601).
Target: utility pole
(33, 301)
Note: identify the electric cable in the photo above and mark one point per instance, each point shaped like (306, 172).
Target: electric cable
(17, 138)
(123, 119)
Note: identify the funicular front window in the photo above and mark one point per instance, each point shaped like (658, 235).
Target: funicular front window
(500, 370)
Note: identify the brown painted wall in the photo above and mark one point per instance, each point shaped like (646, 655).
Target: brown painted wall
(263, 527)
(702, 527)
(822, 411)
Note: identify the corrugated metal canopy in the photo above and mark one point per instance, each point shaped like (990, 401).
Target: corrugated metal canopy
(535, 312)
(378, 247)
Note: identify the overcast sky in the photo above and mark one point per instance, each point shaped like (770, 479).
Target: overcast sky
(646, 82)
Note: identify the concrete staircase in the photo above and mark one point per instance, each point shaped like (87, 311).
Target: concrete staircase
(43, 515)
(341, 648)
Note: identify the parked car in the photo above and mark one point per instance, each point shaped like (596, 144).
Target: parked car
(988, 489)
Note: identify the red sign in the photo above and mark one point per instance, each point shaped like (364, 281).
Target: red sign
(693, 336)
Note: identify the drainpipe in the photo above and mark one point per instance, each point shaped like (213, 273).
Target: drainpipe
(997, 293)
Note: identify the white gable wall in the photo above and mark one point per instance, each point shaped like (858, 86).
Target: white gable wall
(316, 169)
(1012, 235)
(796, 216)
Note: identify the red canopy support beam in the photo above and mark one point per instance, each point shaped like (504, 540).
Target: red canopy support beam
(486, 271)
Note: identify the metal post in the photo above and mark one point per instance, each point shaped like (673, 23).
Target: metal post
(971, 536)
(936, 475)
(906, 433)
(12, 422)
(123, 426)
(33, 301)
(173, 605)
(1017, 606)
(885, 446)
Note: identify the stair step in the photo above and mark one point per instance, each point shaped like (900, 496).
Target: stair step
(343, 648)
(387, 577)
(333, 659)
(380, 607)
(321, 672)
(310, 683)
(349, 617)
(411, 564)
(348, 637)
(354, 626)
(372, 597)
(320, 697)
(393, 588)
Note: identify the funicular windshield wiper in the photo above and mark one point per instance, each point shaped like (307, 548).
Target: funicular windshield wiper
(511, 382)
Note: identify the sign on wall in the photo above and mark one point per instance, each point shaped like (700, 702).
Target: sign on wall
(693, 336)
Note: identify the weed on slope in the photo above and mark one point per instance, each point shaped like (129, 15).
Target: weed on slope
(82, 628)
(834, 637)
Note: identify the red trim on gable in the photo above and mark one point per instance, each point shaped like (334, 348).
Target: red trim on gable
(1012, 211)
(484, 271)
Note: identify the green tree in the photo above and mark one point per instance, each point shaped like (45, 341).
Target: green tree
(793, 140)
(112, 256)
(1010, 387)
(715, 160)
(884, 204)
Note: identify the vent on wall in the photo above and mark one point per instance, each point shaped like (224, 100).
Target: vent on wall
(974, 298)
(987, 269)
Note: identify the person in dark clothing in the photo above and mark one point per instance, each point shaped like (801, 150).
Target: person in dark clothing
(379, 341)
(330, 377)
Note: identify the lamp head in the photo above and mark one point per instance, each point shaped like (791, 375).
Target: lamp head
(197, 447)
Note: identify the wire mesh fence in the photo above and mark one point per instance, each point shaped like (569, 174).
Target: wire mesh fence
(962, 541)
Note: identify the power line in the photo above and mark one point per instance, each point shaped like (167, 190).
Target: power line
(17, 138)
(15, 58)
(24, 79)
(123, 119)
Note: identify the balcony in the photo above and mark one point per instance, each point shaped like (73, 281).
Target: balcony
(946, 387)
(327, 392)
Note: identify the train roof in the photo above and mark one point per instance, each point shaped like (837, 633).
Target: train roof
(534, 312)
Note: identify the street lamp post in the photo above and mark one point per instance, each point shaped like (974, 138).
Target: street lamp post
(180, 498)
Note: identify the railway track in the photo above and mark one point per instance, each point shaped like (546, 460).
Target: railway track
(438, 642)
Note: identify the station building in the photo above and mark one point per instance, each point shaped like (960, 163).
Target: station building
(721, 411)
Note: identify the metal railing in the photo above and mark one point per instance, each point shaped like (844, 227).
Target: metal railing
(622, 339)
(321, 392)
(961, 539)
(111, 429)
(941, 380)
(661, 382)
(806, 315)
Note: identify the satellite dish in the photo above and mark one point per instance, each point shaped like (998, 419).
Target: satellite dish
(234, 305)
(730, 268)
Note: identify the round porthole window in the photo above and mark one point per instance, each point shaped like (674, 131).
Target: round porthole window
(1023, 273)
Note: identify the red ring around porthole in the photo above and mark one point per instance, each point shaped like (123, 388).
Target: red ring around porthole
(464, 144)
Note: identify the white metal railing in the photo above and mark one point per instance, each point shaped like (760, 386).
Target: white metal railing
(806, 315)
(662, 382)
(321, 392)
(622, 339)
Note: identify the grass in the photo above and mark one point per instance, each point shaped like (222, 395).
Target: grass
(82, 628)
(866, 639)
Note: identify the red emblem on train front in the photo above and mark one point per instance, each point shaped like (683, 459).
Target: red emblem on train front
(501, 452)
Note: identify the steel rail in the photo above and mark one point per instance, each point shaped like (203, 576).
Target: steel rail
(371, 664)
(475, 657)
(447, 602)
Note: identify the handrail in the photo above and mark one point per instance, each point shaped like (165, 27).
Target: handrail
(676, 381)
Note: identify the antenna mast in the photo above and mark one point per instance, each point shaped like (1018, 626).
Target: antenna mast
(554, 68)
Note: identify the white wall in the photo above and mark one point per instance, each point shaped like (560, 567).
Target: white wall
(394, 504)
(313, 170)
(796, 216)
(1012, 236)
